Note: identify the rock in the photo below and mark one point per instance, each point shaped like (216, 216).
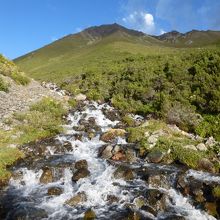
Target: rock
(107, 152)
(157, 181)
(139, 202)
(81, 164)
(68, 146)
(80, 97)
(89, 215)
(156, 199)
(123, 172)
(130, 155)
(153, 139)
(182, 184)
(190, 147)
(201, 147)
(80, 173)
(119, 156)
(112, 199)
(174, 217)
(47, 176)
(205, 165)
(77, 199)
(111, 134)
(210, 142)
(54, 191)
(211, 208)
(24, 212)
(155, 156)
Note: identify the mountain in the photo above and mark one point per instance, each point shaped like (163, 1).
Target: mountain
(192, 38)
(96, 45)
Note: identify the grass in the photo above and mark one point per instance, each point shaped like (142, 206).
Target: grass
(43, 120)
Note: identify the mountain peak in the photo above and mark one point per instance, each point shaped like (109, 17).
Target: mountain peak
(108, 29)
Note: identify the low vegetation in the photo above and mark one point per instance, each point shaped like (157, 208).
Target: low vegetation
(44, 119)
(8, 68)
(3, 85)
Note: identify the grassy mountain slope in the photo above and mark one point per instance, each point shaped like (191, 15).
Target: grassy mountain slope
(94, 46)
(74, 53)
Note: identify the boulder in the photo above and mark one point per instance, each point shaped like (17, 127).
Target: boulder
(46, 176)
(201, 147)
(156, 199)
(89, 215)
(111, 134)
(81, 164)
(112, 199)
(155, 156)
(80, 173)
(107, 152)
(123, 172)
(158, 181)
(119, 156)
(206, 165)
(77, 199)
(80, 97)
(54, 191)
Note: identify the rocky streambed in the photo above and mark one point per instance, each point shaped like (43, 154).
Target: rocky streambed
(92, 172)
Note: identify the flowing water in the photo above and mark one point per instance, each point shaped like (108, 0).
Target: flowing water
(27, 198)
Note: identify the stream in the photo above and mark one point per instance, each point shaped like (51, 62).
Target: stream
(30, 195)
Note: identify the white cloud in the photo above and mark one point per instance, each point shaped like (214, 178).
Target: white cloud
(141, 21)
(162, 31)
(54, 38)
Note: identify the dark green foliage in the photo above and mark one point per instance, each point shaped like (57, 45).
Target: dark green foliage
(179, 87)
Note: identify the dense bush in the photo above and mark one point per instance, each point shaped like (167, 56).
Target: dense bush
(178, 87)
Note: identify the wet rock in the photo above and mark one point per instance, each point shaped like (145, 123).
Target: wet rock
(55, 191)
(206, 165)
(111, 134)
(159, 180)
(112, 199)
(155, 156)
(139, 202)
(174, 217)
(201, 147)
(156, 199)
(106, 153)
(80, 97)
(211, 208)
(68, 146)
(130, 155)
(81, 164)
(119, 156)
(77, 199)
(47, 175)
(123, 172)
(24, 213)
(111, 114)
(80, 173)
(182, 184)
(89, 215)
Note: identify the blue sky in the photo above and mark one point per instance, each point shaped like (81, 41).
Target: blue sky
(29, 24)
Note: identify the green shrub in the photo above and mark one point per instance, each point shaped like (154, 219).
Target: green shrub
(210, 126)
(3, 86)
